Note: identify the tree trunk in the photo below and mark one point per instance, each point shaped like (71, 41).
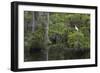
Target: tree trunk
(33, 21)
(45, 20)
(46, 38)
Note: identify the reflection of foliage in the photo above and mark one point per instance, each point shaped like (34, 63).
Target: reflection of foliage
(54, 50)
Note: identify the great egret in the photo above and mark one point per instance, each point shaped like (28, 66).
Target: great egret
(76, 27)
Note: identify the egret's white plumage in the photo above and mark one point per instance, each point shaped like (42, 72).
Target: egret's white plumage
(76, 27)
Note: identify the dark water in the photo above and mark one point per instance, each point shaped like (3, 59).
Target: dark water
(39, 54)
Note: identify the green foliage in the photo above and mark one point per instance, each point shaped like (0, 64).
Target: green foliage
(57, 24)
(62, 35)
(75, 39)
(32, 39)
(27, 16)
(64, 24)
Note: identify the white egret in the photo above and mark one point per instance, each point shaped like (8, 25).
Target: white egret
(76, 27)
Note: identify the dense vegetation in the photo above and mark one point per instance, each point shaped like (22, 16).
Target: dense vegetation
(56, 36)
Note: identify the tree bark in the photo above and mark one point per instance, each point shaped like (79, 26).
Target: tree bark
(46, 35)
(45, 20)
